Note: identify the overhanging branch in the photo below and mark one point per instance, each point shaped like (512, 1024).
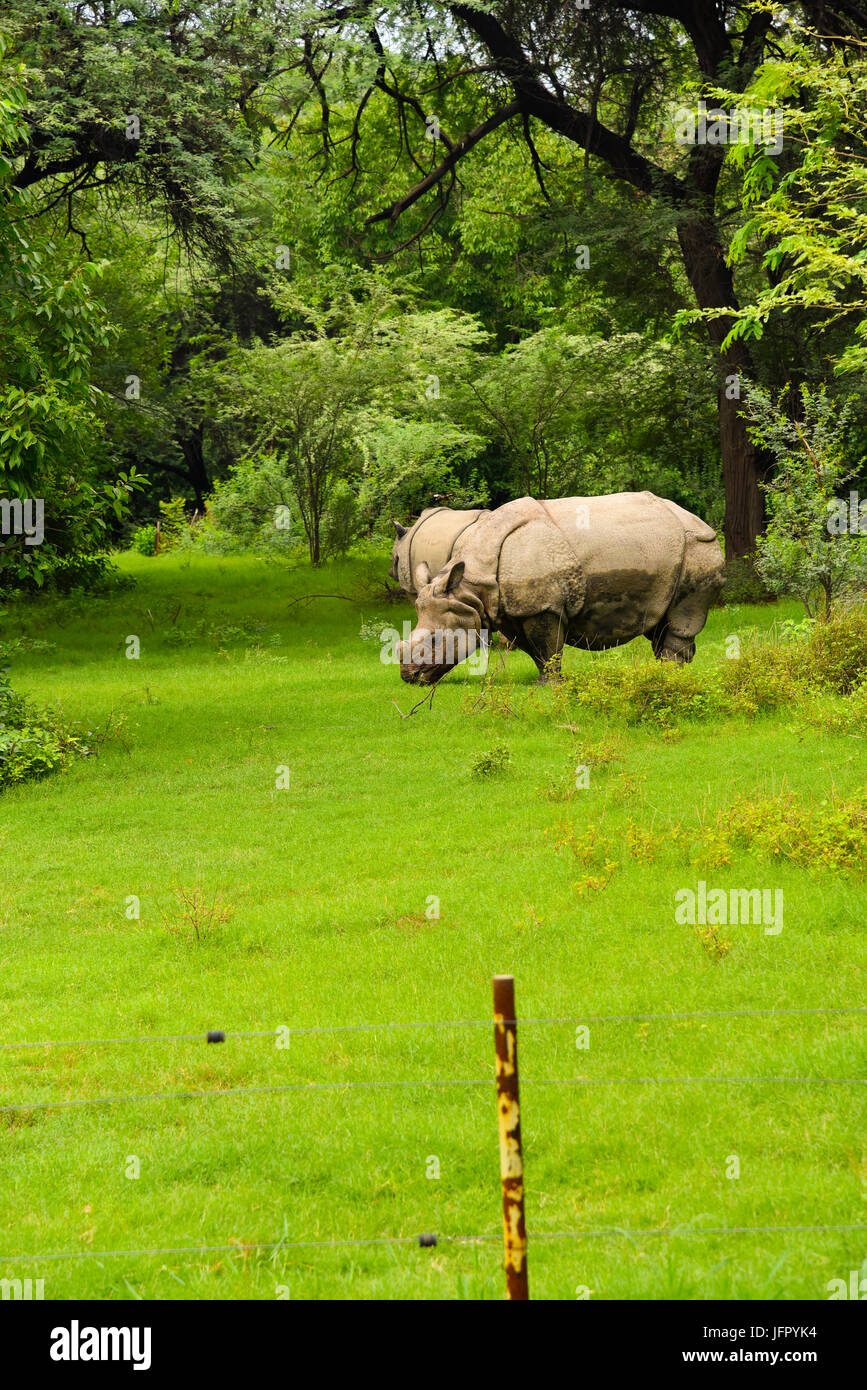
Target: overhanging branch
(460, 148)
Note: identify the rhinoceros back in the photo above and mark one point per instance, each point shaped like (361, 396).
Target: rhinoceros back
(616, 560)
(631, 547)
(432, 539)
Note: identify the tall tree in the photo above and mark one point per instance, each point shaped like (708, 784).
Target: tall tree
(603, 77)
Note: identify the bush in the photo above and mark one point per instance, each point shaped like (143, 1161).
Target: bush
(764, 677)
(645, 693)
(830, 834)
(787, 668)
(144, 540)
(32, 744)
(492, 763)
(837, 652)
(342, 521)
(252, 509)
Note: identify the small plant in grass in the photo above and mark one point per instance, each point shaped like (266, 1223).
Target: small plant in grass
(716, 947)
(592, 851)
(629, 785)
(643, 844)
(199, 917)
(492, 695)
(492, 763)
(371, 629)
(713, 849)
(585, 755)
(144, 540)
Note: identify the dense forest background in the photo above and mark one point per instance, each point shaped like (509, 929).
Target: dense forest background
(275, 273)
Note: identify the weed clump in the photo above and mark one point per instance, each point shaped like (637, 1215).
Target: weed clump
(34, 742)
(791, 668)
(492, 763)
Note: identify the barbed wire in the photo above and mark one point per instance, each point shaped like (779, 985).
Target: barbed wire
(225, 1035)
(434, 1081)
(433, 1239)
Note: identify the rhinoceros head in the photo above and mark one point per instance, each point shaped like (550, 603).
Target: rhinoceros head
(448, 628)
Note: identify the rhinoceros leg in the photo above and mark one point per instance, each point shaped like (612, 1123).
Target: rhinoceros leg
(673, 638)
(669, 646)
(542, 637)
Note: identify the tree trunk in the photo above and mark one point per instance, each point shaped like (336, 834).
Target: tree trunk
(743, 463)
(191, 446)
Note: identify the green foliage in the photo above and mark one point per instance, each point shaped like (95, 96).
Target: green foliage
(788, 668)
(836, 653)
(33, 744)
(643, 693)
(491, 763)
(808, 214)
(408, 461)
(803, 552)
(252, 509)
(829, 835)
(93, 74)
(144, 540)
(576, 415)
(318, 404)
(342, 521)
(50, 428)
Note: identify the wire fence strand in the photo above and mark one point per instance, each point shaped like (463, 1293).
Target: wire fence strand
(419, 1083)
(604, 1232)
(275, 1247)
(201, 1037)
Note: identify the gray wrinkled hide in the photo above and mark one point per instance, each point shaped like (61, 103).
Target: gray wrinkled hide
(590, 572)
(431, 540)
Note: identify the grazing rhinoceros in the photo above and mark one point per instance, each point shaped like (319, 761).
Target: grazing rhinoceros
(590, 572)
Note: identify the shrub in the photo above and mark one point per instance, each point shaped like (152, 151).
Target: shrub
(645, 693)
(803, 552)
(829, 834)
(492, 763)
(786, 668)
(837, 652)
(342, 520)
(144, 540)
(764, 677)
(32, 744)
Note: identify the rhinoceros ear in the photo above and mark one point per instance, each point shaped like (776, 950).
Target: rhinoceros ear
(422, 576)
(401, 530)
(454, 576)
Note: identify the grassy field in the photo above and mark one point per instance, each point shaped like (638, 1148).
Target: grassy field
(305, 906)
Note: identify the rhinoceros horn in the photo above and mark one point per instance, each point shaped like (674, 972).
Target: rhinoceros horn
(401, 530)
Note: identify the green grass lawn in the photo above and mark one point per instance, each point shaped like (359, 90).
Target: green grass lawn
(324, 887)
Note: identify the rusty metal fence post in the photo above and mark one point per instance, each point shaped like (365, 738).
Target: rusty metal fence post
(509, 1120)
